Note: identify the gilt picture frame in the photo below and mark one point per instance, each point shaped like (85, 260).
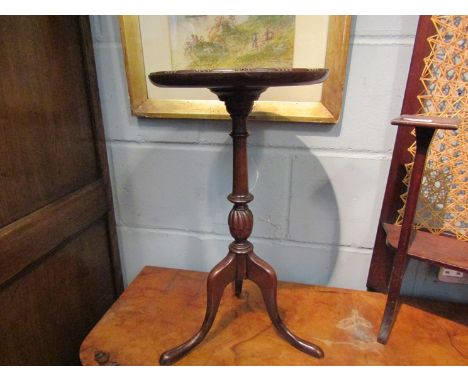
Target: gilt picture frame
(324, 107)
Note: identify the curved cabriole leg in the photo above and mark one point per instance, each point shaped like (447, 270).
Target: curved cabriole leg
(264, 276)
(220, 276)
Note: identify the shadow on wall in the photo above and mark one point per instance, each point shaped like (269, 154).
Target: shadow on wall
(159, 225)
(292, 259)
(296, 217)
(174, 199)
(174, 196)
(288, 247)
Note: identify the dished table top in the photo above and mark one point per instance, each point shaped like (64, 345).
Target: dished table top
(163, 307)
(236, 78)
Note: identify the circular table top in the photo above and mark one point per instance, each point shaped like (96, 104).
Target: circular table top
(228, 78)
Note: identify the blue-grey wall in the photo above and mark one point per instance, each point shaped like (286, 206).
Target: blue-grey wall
(318, 189)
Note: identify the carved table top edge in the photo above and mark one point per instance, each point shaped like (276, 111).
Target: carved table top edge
(223, 78)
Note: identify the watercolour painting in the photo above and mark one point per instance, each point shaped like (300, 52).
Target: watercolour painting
(231, 42)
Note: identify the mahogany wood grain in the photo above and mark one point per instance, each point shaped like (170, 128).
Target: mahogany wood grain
(46, 315)
(164, 306)
(59, 263)
(47, 148)
(382, 257)
(440, 250)
(28, 239)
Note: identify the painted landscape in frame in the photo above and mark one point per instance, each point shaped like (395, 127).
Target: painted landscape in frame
(234, 42)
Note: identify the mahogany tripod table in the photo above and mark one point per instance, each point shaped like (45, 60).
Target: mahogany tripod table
(239, 89)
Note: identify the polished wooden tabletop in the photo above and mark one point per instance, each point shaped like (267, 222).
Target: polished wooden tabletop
(427, 121)
(222, 78)
(163, 307)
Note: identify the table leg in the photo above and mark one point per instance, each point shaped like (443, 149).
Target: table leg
(262, 274)
(220, 276)
(240, 273)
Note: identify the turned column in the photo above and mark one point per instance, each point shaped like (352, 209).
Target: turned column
(239, 104)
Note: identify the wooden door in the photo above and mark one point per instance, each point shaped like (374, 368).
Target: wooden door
(59, 263)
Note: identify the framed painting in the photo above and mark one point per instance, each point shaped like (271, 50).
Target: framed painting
(155, 43)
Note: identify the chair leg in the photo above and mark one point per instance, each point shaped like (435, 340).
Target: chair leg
(388, 319)
(423, 139)
(393, 297)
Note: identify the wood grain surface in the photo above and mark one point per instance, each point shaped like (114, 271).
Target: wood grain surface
(163, 307)
(47, 143)
(430, 122)
(28, 239)
(59, 261)
(46, 314)
(441, 250)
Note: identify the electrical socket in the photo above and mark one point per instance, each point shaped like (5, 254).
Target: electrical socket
(452, 276)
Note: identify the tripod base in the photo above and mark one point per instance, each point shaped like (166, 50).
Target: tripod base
(225, 272)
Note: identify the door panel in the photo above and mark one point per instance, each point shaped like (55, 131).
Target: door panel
(33, 236)
(59, 261)
(46, 143)
(52, 307)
